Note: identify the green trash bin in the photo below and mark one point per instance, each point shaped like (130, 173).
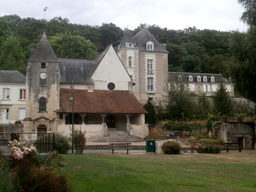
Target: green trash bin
(151, 146)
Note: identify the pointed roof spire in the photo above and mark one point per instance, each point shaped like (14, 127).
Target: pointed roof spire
(144, 36)
(43, 51)
(126, 38)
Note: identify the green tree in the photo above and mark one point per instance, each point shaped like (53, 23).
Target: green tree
(12, 56)
(204, 104)
(150, 117)
(181, 104)
(5, 31)
(249, 15)
(222, 101)
(73, 46)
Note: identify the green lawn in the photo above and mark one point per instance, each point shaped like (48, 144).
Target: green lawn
(159, 172)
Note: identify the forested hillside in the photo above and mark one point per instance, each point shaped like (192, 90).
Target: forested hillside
(190, 50)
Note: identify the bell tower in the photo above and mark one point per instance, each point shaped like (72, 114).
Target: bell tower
(42, 85)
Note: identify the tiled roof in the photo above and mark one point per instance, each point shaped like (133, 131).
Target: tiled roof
(100, 101)
(143, 36)
(7, 76)
(173, 76)
(43, 51)
(79, 70)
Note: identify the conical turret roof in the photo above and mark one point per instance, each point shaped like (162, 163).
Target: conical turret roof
(43, 51)
(126, 38)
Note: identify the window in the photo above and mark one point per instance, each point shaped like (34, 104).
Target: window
(198, 79)
(43, 82)
(150, 66)
(5, 115)
(150, 46)
(190, 78)
(130, 62)
(6, 93)
(212, 79)
(205, 79)
(150, 84)
(43, 65)
(22, 94)
(42, 104)
(21, 113)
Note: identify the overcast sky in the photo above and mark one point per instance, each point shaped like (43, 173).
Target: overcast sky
(223, 15)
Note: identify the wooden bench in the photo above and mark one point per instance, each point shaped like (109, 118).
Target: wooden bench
(239, 146)
(120, 146)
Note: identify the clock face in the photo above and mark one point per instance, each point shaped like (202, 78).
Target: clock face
(43, 75)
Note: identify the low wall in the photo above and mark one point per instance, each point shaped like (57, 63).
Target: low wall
(11, 128)
(140, 130)
(92, 132)
(230, 131)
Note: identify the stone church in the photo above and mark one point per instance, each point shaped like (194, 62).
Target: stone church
(102, 90)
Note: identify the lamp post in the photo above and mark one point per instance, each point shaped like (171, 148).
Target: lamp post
(71, 98)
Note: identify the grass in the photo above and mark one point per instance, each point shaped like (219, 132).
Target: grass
(159, 172)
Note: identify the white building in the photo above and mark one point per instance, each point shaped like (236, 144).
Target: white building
(12, 96)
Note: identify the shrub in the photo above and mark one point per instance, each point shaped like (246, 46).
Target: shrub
(79, 141)
(61, 143)
(209, 149)
(171, 147)
(27, 178)
(176, 126)
(212, 141)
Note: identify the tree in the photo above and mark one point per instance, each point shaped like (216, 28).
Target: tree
(73, 46)
(222, 101)
(204, 104)
(249, 15)
(181, 104)
(5, 31)
(243, 63)
(150, 117)
(12, 56)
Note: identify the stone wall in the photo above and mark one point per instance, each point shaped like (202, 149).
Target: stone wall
(229, 132)
(11, 128)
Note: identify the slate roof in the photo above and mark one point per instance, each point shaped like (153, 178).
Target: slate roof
(143, 36)
(7, 76)
(79, 70)
(173, 76)
(43, 51)
(126, 38)
(100, 101)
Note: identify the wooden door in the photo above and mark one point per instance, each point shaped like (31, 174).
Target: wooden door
(41, 129)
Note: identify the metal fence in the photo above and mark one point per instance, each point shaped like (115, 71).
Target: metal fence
(43, 144)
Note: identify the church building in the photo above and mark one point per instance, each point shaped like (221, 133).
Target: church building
(102, 93)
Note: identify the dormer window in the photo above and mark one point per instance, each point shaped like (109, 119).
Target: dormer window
(198, 79)
(179, 78)
(205, 79)
(149, 46)
(212, 79)
(190, 78)
(129, 44)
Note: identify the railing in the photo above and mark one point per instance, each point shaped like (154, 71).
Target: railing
(43, 144)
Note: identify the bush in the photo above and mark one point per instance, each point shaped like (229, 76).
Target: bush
(212, 141)
(27, 178)
(171, 148)
(79, 141)
(61, 143)
(176, 126)
(209, 149)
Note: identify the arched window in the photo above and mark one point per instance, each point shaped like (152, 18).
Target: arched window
(198, 79)
(190, 78)
(212, 79)
(205, 79)
(42, 104)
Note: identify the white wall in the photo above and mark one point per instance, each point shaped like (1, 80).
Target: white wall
(14, 103)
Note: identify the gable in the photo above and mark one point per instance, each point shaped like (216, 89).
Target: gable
(111, 70)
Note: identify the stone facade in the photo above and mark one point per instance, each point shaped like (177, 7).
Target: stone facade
(146, 60)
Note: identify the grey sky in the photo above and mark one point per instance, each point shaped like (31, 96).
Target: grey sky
(220, 15)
